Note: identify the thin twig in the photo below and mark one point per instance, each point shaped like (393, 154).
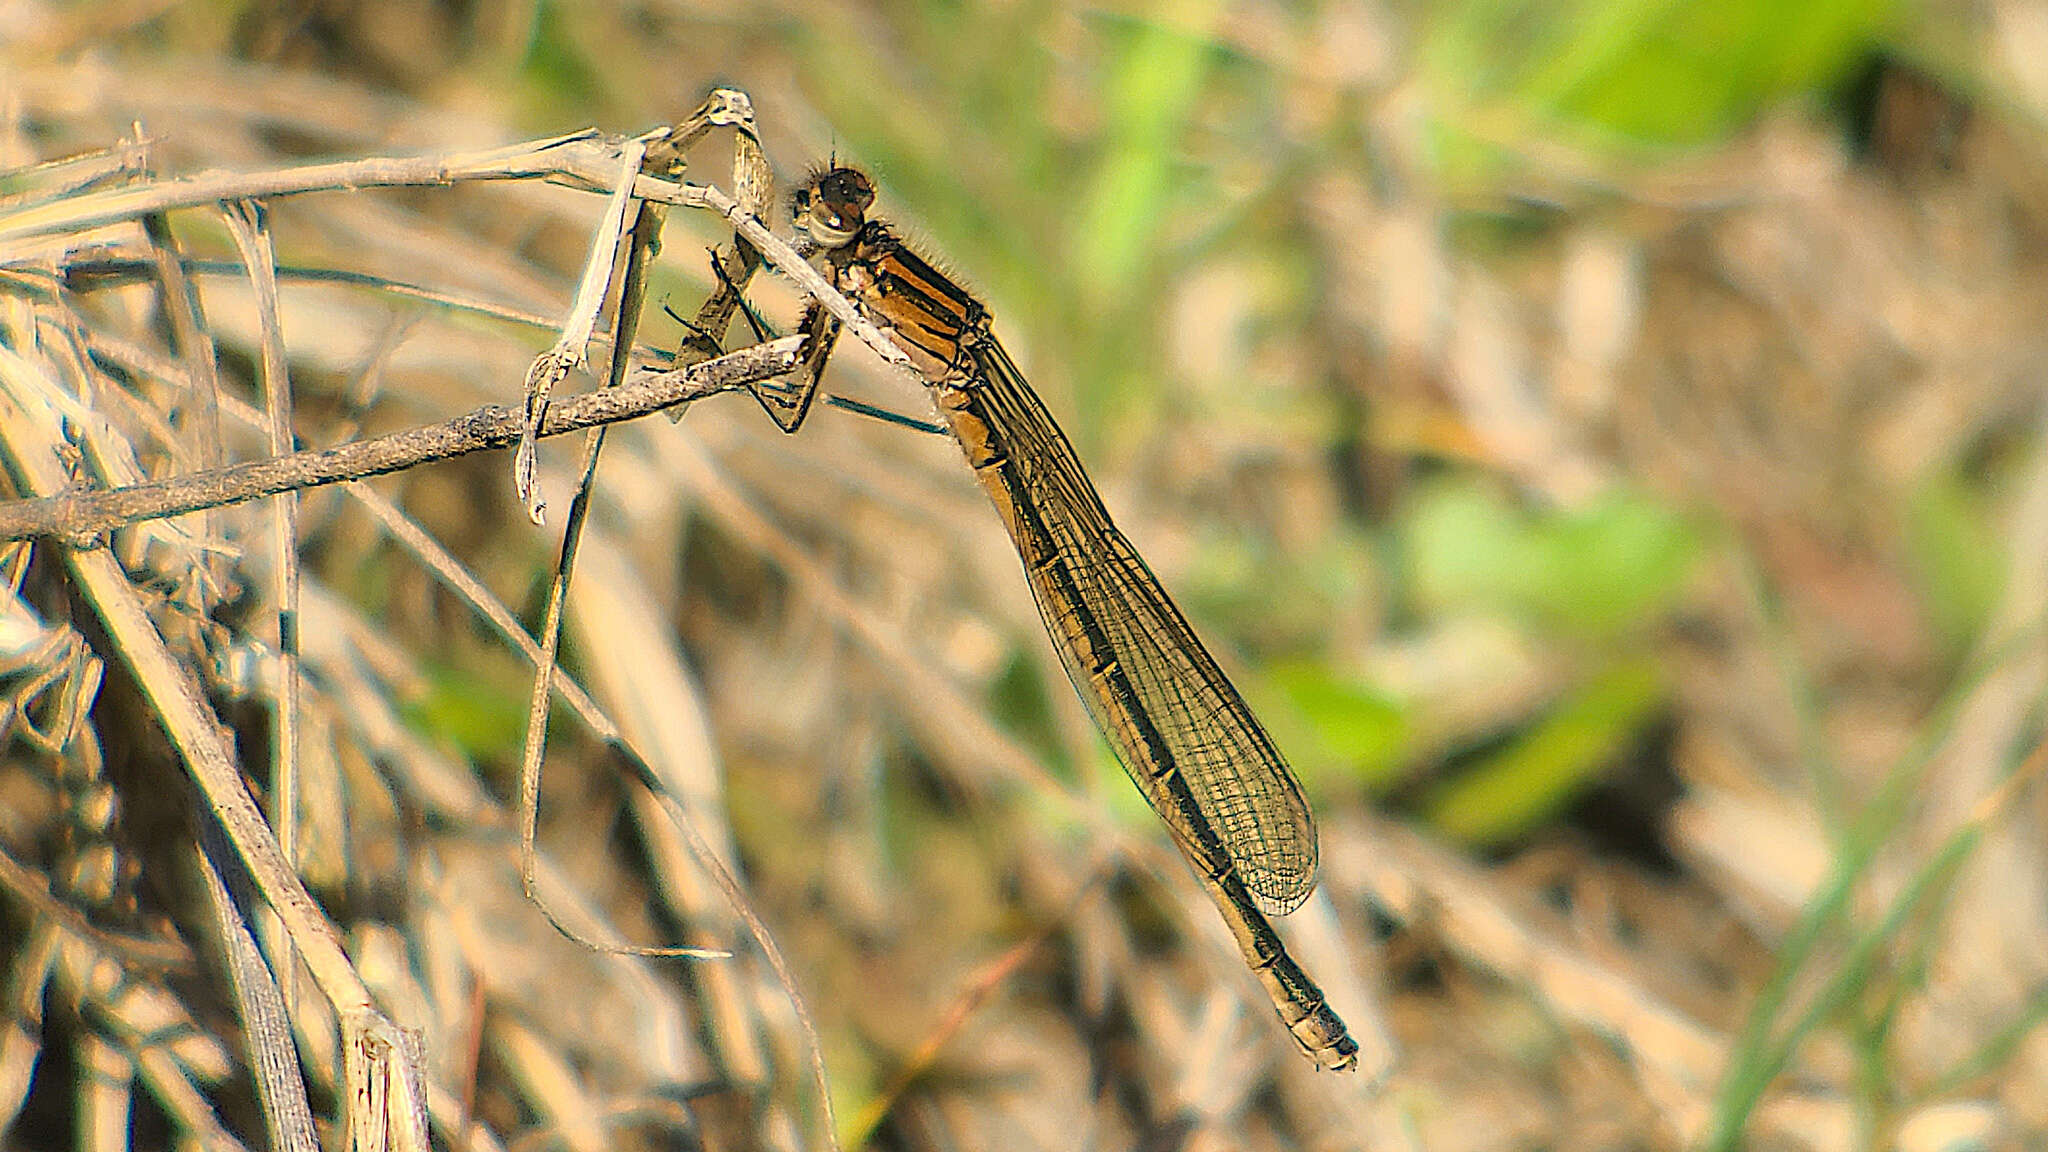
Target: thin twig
(82, 516)
(578, 157)
(259, 1000)
(582, 159)
(267, 999)
(570, 348)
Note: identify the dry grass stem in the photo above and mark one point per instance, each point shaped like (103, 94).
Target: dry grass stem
(80, 516)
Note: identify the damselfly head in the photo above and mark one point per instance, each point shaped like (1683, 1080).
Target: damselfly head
(830, 207)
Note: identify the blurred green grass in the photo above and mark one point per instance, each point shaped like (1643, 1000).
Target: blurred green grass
(1079, 222)
(1634, 77)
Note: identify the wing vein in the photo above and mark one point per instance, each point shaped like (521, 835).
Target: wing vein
(1181, 713)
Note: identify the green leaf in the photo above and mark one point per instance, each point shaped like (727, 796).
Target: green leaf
(1345, 726)
(1621, 76)
(1537, 775)
(1596, 571)
(1613, 564)
(482, 716)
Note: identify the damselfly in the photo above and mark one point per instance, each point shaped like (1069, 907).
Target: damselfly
(1185, 736)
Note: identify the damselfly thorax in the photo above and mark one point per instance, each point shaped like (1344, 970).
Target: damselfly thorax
(935, 319)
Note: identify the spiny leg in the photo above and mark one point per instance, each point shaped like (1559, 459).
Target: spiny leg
(788, 402)
(789, 407)
(737, 291)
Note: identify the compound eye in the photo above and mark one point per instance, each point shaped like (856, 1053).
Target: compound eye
(831, 208)
(848, 190)
(836, 206)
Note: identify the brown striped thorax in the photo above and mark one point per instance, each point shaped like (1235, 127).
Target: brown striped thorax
(934, 319)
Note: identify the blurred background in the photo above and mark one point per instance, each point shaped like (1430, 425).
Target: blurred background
(1603, 438)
